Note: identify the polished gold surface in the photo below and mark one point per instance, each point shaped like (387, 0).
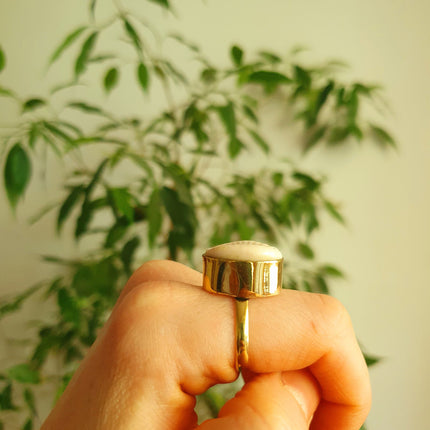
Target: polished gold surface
(242, 332)
(242, 280)
(245, 279)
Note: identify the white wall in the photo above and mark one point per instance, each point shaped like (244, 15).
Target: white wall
(385, 250)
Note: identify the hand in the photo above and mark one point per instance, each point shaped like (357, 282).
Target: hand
(168, 340)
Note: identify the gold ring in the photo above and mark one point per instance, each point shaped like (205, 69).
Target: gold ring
(243, 270)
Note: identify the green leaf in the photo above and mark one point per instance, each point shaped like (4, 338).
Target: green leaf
(111, 79)
(128, 251)
(267, 77)
(33, 104)
(33, 134)
(85, 54)
(57, 132)
(121, 199)
(249, 112)
(236, 54)
(382, 136)
(331, 209)
(260, 141)
(305, 250)
(85, 107)
(68, 205)
(270, 57)
(208, 75)
(315, 136)
(228, 118)
(17, 173)
(6, 402)
(309, 182)
(371, 360)
(93, 8)
(321, 99)
(87, 209)
(338, 134)
(24, 374)
(132, 33)
(28, 425)
(66, 43)
(97, 278)
(15, 304)
(215, 400)
(163, 3)
(143, 76)
(155, 217)
(29, 401)
(332, 271)
(69, 308)
(321, 286)
(116, 233)
(302, 77)
(235, 146)
(4, 92)
(184, 222)
(2, 59)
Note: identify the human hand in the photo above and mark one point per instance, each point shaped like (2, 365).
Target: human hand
(168, 340)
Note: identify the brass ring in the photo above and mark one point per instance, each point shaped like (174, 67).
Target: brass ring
(243, 270)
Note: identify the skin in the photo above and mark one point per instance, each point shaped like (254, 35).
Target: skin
(167, 341)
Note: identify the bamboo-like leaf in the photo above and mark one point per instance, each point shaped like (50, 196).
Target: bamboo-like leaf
(132, 33)
(382, 136)
(4, 92)
(66, 43)
(260, 141)
(121, 200)
(92, 8)
(68, 205)
(2, 59)
(268, 77)
(85, 54)
(116, 233)
(68, 307)
(305, 250)
(331, 209)
(30, 401)
(17, 173)
(163, 3)
(143, 76)
(15, 304)
(228, 118)
(332, 271)
(33, 104)
(28, 425)
(111, 79)
(315, 136)
(128, 251)
(57, 132)
(155, 218)
(371, 360)
(87, 108)
(236, 54)
(249, 112)
(235, 146)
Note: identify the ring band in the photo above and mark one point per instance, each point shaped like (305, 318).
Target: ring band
(243, 280)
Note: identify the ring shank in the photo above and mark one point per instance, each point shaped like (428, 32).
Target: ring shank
(242, 332)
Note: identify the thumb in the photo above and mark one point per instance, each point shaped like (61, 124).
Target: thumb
(270, 401)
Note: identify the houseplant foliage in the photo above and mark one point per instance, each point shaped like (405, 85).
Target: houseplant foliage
(188, 189)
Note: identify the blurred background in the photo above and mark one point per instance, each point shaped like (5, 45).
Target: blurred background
(385, 248)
